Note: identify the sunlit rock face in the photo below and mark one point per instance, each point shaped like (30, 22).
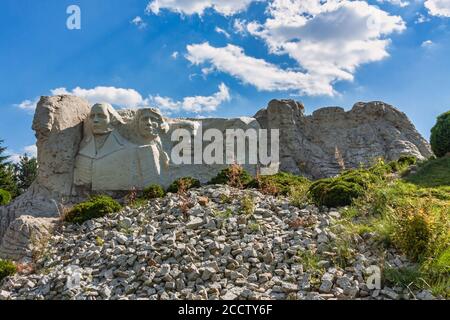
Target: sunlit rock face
(84, 149)
(329, 140)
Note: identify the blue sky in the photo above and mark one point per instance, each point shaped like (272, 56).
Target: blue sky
(224, 58)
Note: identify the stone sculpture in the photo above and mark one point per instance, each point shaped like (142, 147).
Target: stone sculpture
(84, 150)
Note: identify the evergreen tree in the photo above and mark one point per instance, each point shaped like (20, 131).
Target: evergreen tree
(26, 171)
(7, 179)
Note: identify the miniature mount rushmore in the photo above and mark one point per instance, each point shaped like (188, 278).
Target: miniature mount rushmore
(85, 150)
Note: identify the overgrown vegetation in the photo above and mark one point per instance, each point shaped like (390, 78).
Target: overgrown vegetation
(7, 268)
(16, 178)
(5, 197)
(154, 191)
(411, 215)
(96, 207)
(183, 184)
(440, 135)
(235, 176)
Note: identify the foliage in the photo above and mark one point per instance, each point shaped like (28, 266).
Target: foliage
(433, 173)
(440, 135)
(7, 268)
(96, 207)
(183, 184)
(234, 176)
(153, 191)
(5, 197)
(7, 179)
(247, 205)
(281, 183)
(25, 172)
(422, 230)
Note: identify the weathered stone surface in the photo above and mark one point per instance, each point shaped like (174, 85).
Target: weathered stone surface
(321, 144)
(25, 235)
(83, 150)
(59, 130)
(158, 256)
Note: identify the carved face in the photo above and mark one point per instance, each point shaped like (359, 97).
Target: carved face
(149, 124)
(100, 119)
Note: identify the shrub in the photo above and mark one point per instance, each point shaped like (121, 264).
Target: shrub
(440, 135)
(281, 183)
(183, 184)
(407, 160)
(5, 197)
(247, 205)
(96, 207)
(422, 230)
(154, 191)
(7, 268)
(234, 176)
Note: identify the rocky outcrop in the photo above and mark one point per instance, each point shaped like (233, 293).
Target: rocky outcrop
(58, 123)
(154, 253)
(329, 140)
(25, 236)
(318, 145)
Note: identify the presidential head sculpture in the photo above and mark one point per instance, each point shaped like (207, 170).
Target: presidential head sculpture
(150, 123)
(103, 118)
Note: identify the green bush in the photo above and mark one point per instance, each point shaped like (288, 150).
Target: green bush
(282, 183)
(183, 184)
(7, 268)
(154, 191)
(342, 190)
(5, 197)
(440, 135)
(407, 160)
(96, 207)
(234, 176)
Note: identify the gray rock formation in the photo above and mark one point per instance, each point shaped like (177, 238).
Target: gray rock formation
(73, 149)
(329, 140)
(25, 236)
(59, 130)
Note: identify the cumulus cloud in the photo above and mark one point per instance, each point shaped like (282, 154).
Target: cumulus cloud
(139, 22)
(31, 152)
(257, 72)
(189, 7)
(427, 44)
(115, 96)
(440, 8)
(328, 40)
(28, 105)
(221, 31)
(400, 3)
(195, 104)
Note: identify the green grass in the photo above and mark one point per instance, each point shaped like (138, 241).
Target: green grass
(433, 173)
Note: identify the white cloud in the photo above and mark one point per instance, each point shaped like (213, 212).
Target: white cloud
(139, 22)
(115, 96)
(439, 8)
(189, 7)
(31, 151)
(28, 105)
(400, 3)
(196, 104)
(329, 40)
(175, 55)
(421, 19)
(427, 44)
(221, 31)
(239, 26)
(257, 72)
